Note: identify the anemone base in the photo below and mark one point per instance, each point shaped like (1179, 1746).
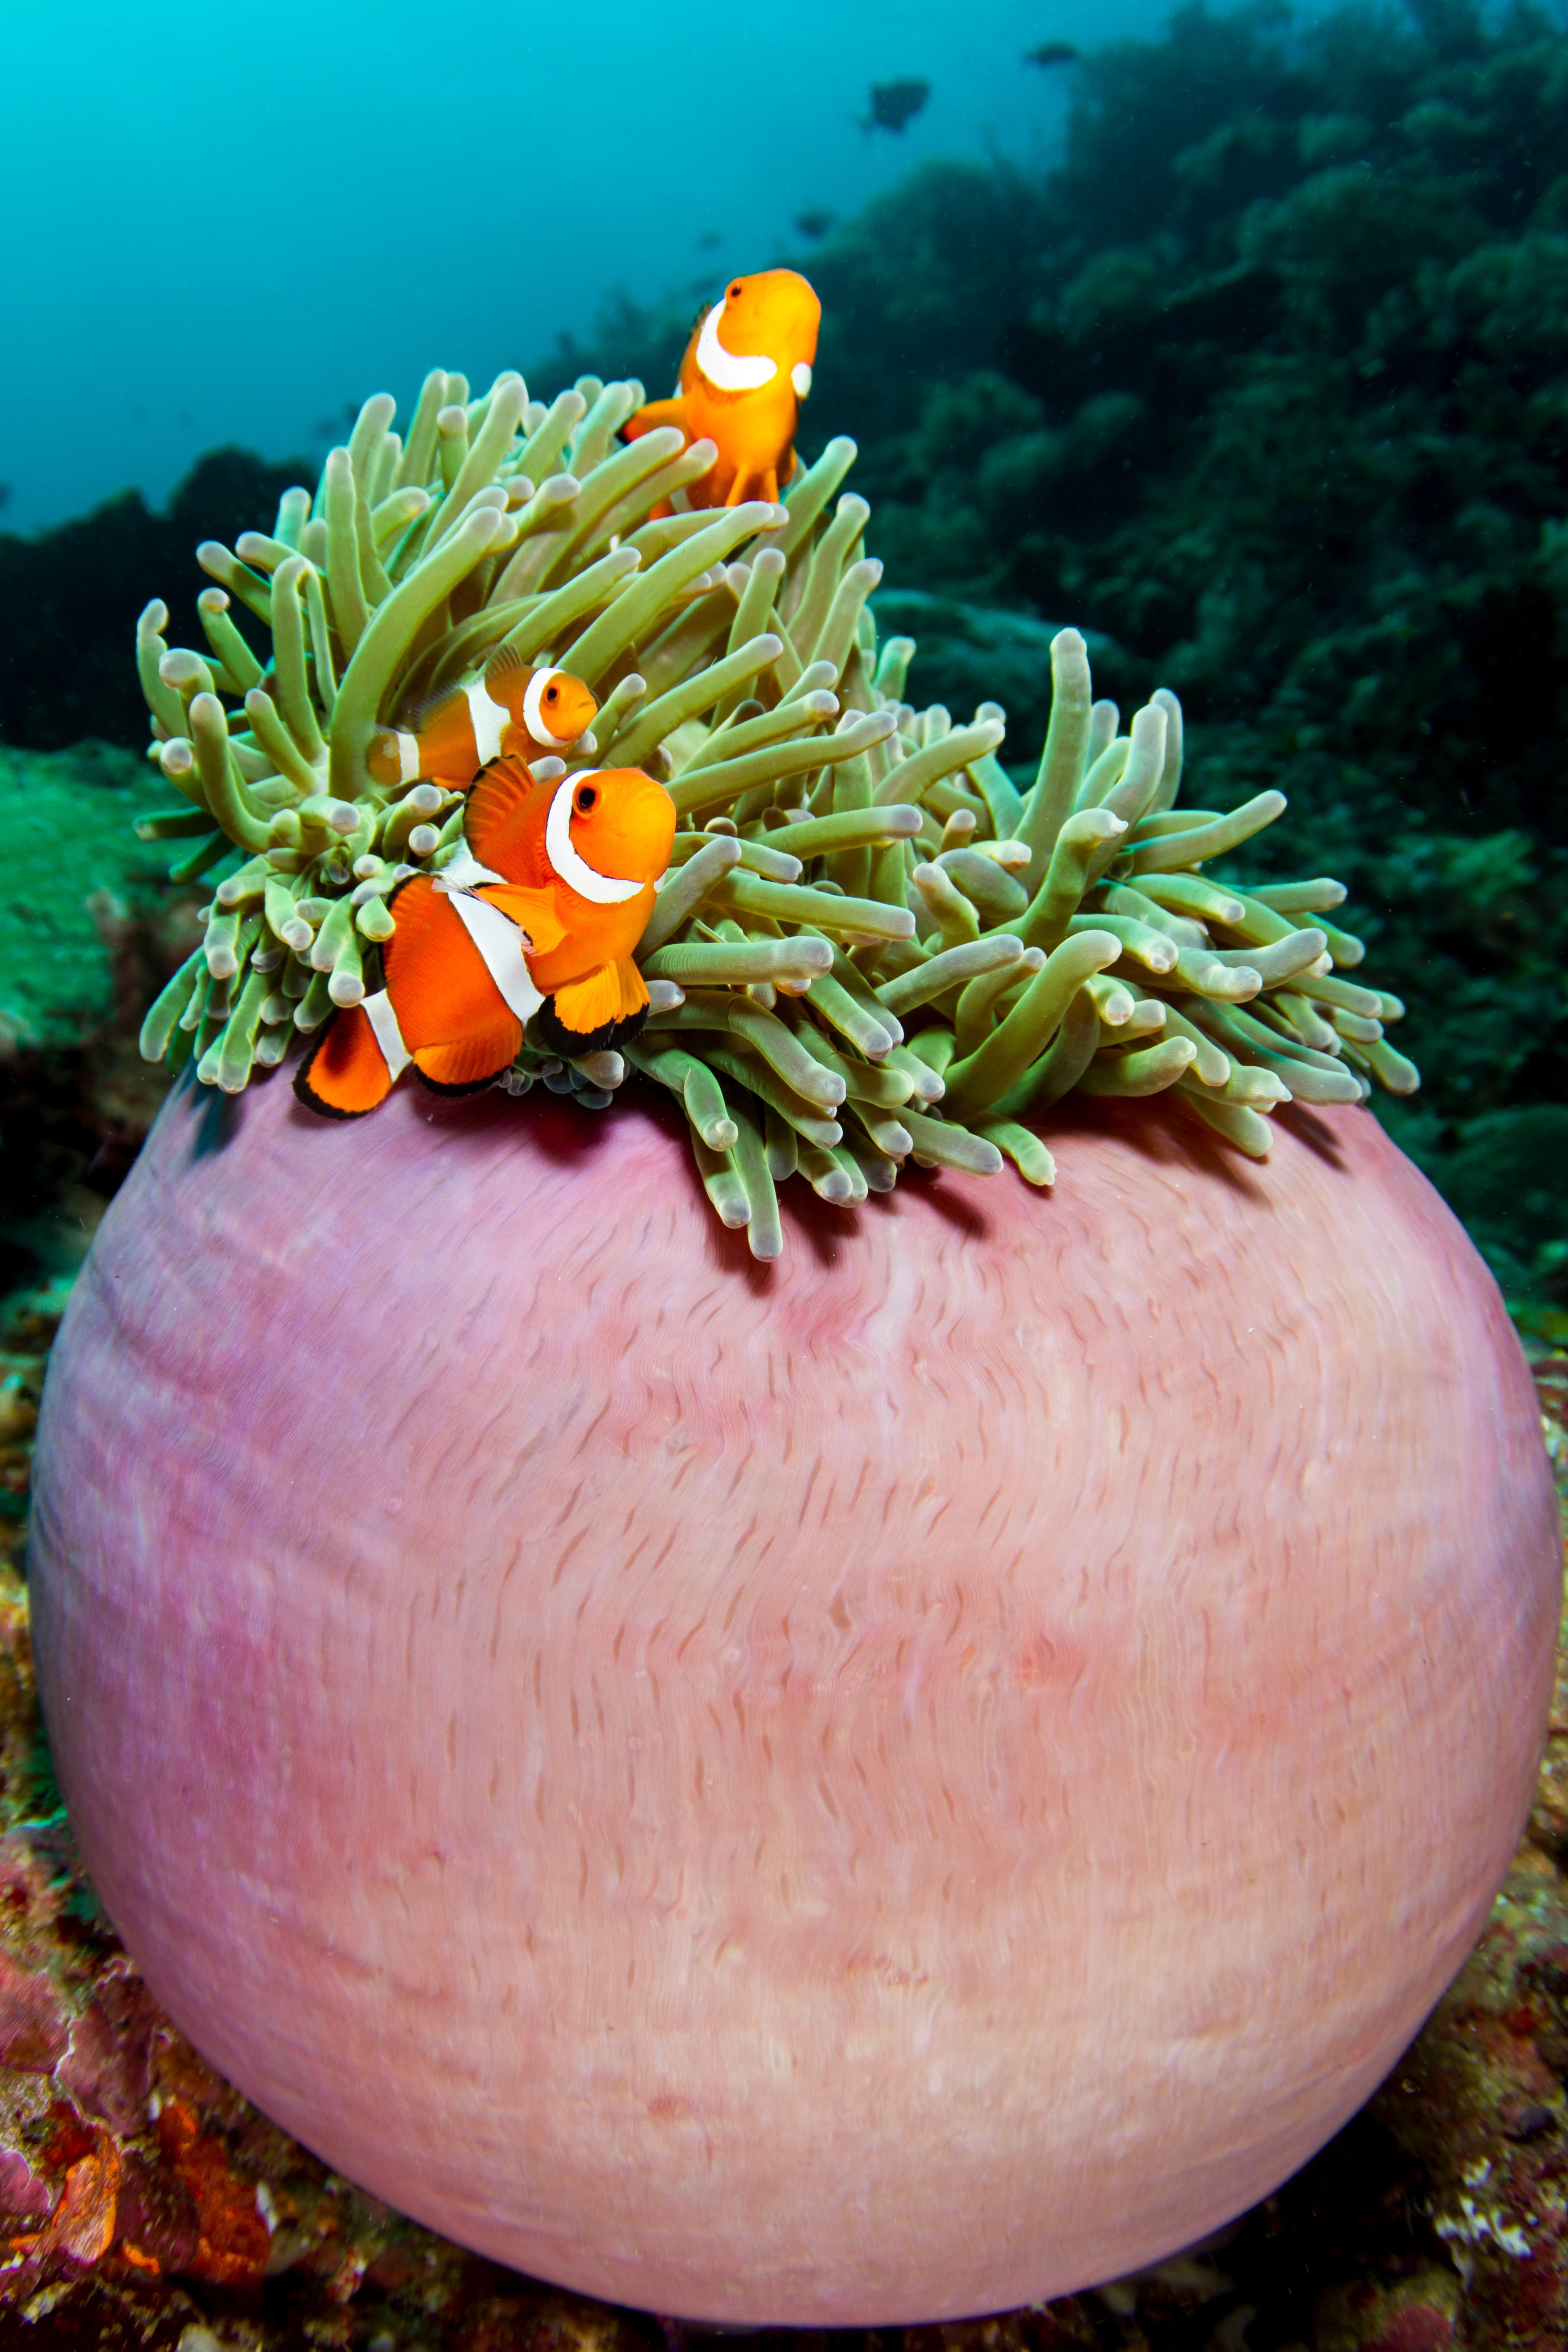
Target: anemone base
(889, 1785)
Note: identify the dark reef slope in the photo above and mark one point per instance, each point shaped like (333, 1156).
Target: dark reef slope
(1266, 385)
(69, 598)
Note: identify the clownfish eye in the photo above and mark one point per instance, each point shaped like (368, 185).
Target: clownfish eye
(584, 799)
(735, 294)
(552, 694)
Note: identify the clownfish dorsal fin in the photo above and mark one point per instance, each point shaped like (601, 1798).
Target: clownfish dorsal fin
(504, 663)
(506, 818)
(419, 715)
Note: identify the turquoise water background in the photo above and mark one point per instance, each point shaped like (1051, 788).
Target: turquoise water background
(225, 227)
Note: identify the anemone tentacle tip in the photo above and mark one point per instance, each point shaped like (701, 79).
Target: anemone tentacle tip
(737, 659)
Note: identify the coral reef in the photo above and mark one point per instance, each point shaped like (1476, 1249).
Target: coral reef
(69, 597)
(1264, 383)
(844, 863)
(92, 929)
(143, 2203)
(79, 885)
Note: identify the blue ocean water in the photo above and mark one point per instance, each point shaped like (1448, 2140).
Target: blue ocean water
(224, 226)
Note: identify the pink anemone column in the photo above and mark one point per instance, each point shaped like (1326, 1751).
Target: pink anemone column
(885, 1787)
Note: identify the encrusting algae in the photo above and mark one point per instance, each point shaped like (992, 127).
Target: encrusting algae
(870, 946)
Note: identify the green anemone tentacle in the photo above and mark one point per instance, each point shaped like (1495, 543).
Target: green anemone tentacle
(848, 864)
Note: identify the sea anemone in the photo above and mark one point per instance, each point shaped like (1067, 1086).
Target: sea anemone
(845, 863)
(867, 1789)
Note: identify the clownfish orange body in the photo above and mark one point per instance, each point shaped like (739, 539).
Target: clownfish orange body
(512, 708)
(536, 920)
(746, 371)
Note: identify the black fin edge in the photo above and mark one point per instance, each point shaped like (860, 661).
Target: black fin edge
(469, 1087)
(311, 1102)
(552, 1033)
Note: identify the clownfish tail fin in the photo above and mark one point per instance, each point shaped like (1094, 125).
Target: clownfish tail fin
(345, 1073)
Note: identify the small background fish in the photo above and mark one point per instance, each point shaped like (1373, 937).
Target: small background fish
(895, 104)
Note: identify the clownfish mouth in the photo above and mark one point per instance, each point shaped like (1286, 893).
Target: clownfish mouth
(570, 865)
(728, 370)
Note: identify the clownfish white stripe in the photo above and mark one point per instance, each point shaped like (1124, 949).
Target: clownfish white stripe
(387, 1035)
(533, 717)
(800, 376)
(464, 872)
(408, 757)
(490, 720)
(730, 371)
(574, 869)
(501, 942)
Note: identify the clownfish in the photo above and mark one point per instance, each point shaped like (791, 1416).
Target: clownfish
(536, 920)
(746, 371)
(512, 708)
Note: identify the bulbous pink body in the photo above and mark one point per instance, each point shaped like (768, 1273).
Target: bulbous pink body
(879, 1789)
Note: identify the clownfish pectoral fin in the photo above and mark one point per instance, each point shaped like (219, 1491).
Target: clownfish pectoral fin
(657, 412)
(585, 1005)
(345, 1073)
(605, 1008)
(532, 910)
(472, 1061)
(634, 989)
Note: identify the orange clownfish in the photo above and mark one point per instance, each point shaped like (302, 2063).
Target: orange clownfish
(746, 371)
(536, 920)
(512, 708)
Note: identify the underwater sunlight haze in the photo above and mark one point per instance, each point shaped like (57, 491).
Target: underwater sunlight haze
(232, 228)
